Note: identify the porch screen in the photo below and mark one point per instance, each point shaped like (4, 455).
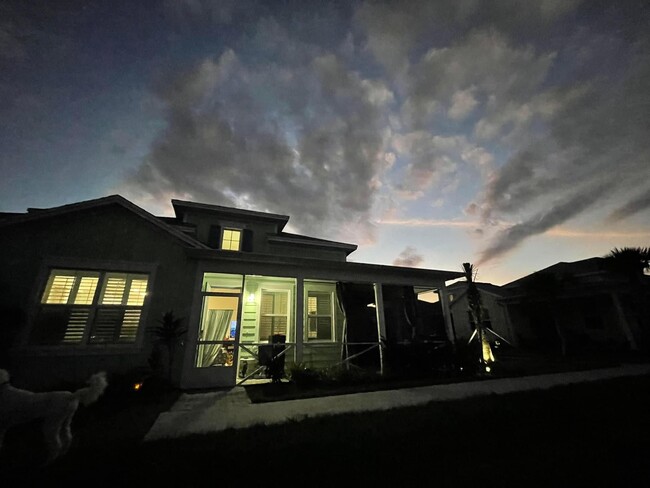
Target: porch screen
(87, 307)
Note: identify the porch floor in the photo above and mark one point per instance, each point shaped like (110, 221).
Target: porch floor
(198, 413)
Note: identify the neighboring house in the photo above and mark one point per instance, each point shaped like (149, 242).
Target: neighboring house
(494, 313)
(574, 307)
(83, 284)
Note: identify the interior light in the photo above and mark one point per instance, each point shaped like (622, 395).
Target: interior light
(251, 298)
(372, 305)
(137, 386)
(488, 369)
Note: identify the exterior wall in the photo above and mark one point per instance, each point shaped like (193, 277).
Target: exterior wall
(306, 252)
(105, 238)
(586, 322)
(203, 221)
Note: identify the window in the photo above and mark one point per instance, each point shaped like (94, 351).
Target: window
(274, 313)
(231, 240)
(319, 316)
(90, 307)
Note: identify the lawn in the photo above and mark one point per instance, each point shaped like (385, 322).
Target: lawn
(583, 435)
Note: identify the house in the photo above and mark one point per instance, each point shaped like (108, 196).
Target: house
(84, 284)
(494, 312)
(577, 307)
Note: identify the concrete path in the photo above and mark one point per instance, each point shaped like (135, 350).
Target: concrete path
(196, 413)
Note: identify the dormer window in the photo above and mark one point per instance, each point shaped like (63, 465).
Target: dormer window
(231, 240)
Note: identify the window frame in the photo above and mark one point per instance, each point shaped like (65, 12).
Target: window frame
(260, 314)
(82, 268)
(331, 316)
(231, 229)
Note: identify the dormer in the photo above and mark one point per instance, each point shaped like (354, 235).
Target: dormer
(229, 229)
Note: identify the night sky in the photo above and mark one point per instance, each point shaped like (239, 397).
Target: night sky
(512, 134)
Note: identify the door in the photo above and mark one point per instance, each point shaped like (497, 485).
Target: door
(216, 346)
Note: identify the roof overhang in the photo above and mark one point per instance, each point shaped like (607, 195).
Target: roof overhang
(323, 268)
(312, 242)
(182, 206)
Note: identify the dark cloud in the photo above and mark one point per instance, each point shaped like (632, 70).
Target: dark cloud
(632, 207)
(409, 257)
(307, 141)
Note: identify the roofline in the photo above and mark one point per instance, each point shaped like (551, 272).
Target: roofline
(548, 268)
(314, 242)
(419, 274)
(239, 212)
(100, 202)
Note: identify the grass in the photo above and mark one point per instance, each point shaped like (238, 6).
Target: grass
(581, 435)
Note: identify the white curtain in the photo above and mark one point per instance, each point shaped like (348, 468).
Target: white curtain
(215, 329)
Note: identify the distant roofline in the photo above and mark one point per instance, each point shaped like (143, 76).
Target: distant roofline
(179, 205)
(550, 268)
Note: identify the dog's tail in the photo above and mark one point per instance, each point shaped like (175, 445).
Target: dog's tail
(96, 386)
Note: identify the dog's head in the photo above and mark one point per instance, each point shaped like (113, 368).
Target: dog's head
(4, 376)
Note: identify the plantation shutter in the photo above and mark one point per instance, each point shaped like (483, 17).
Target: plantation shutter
(247, 241)
(214, 237)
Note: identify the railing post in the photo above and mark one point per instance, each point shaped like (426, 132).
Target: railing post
(381, 324)
(300, 314)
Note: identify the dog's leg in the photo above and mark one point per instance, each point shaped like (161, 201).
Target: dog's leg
(66, 433)
(51, 430)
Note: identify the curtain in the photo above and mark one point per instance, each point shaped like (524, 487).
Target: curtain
(215, 329)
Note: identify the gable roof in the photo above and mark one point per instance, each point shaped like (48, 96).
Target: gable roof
(39, 214)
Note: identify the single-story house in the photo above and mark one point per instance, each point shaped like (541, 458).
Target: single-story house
(495, 315)
(577, 306)
(83, 285)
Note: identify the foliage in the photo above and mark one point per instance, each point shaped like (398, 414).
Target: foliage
(339, 375)
(630, 261)
(167, 335)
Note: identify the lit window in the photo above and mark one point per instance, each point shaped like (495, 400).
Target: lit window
(319, 316)
(72, 312)
(231, 240)
(274, 314)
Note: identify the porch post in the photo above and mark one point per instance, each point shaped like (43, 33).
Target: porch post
(623, 323)
(300, 314)
(446, 313)
(381, 323)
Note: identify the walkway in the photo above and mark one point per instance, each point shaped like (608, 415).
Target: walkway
(196, 413)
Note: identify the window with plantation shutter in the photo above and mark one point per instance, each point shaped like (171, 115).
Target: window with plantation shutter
(274, 314)
(319, 316)
(90, 307)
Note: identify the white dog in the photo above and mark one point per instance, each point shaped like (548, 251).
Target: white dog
(55, 408)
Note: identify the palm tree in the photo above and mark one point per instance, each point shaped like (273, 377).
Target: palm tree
(631, 263)
(167, 335)
(476, 316)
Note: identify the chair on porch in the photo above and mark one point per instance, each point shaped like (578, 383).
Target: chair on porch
(272, 358)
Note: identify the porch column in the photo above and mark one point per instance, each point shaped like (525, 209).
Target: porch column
(300, 315)
(381, 323)
(623, 323)
(446, 313)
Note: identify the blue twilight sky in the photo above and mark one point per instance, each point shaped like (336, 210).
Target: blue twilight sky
(512, 134)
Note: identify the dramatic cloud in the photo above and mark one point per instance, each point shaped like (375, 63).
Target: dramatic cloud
(632, 207)
(308, 141)
(409, 257)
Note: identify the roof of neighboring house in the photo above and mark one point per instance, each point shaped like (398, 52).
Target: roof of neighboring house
(584, 266)
(181, 206)
(460, 288)
(46, 213)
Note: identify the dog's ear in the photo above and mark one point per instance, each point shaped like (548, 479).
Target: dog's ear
(4, 376)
